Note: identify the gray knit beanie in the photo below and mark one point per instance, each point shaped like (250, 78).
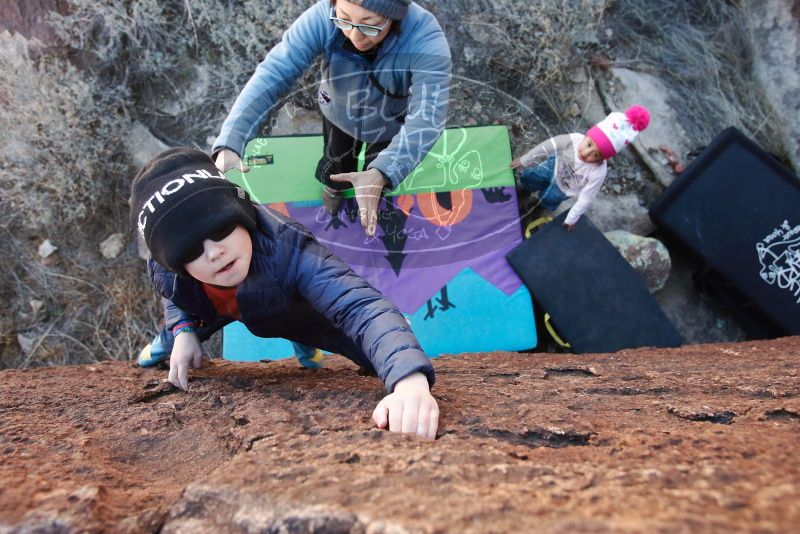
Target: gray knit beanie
(394, 9)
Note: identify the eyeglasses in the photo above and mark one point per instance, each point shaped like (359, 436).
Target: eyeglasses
(366, 29)
(218, 235)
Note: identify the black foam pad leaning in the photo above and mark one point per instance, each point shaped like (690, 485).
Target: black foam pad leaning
(595, 299)
(737, 209)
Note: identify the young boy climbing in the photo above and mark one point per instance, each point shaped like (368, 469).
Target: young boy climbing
(217, 257)
(575, 165)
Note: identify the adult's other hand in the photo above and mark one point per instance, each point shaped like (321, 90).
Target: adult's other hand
(368, 186)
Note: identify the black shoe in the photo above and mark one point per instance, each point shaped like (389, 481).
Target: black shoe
(332, 199)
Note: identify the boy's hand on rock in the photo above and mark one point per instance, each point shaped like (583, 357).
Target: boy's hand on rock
(516, 164)
(411, 409)
(368, 186)
(228, 159)
(185, 352)
(569, 227)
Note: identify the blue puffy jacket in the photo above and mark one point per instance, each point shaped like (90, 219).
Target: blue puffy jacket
(401, 95)
(298, 290)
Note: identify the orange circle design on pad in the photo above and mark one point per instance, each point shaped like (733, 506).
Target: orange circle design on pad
(437, 214)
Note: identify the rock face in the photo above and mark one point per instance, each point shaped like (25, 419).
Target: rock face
(698, 319)
(693, 439)
(649, 91)
(776, 32)
(623, 212)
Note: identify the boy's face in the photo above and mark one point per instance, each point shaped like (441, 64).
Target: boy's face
(225, 260)
(588, 151)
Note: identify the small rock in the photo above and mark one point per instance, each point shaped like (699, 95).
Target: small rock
(574, 110)
(112, 246)
(648, 257)
(46, 248)
(26, 342)
(36, 305)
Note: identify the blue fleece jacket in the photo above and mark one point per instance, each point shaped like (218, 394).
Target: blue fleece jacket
(401, 95)
(298, 290)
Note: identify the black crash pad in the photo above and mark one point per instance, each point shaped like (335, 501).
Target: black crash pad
(737, 209)
(595, 299)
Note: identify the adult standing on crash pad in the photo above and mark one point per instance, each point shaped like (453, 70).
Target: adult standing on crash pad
(385, 78)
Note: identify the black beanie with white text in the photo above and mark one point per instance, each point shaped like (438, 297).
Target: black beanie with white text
(179, 199)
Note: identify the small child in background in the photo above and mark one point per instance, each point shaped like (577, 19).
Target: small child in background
(575, 164)
(217, 257)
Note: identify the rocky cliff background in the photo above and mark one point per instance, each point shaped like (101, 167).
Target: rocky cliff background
(89, 91)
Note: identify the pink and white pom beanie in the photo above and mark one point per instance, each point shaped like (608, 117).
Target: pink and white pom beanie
(618, 130)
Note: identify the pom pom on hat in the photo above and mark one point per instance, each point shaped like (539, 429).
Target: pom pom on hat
(618, 130)
(639, 117)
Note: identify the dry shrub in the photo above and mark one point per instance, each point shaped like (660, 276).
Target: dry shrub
(183, 62)
(64, 143)
(63, 177)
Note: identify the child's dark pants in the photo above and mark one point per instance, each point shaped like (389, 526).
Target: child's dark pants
(541, 178)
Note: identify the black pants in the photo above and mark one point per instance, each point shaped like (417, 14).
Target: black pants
(340, 154)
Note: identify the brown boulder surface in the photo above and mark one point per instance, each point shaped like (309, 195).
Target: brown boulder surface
(701, 438)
